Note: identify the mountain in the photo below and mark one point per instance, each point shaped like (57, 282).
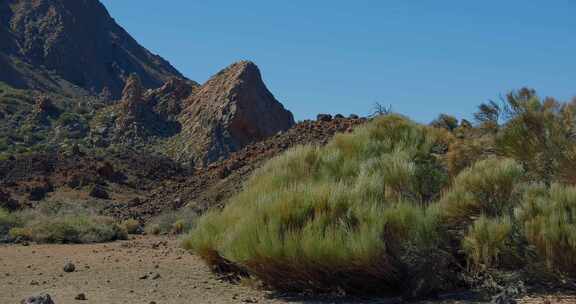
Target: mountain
(72, 46)
(70, 75)
(231, 110)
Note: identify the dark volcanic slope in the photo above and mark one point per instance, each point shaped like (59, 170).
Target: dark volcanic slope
(57, 45)
(212, 186)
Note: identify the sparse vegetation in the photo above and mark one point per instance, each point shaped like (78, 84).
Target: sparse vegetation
(59, 223)
(172, 222)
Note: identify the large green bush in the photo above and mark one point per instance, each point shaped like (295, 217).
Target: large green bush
(349, 216)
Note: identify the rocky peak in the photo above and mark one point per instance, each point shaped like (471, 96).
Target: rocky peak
(232, 109)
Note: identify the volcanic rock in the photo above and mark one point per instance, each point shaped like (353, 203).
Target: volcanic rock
(233, 109)
(132, 106)
(40, 299)
(72, 45)
(324, 117)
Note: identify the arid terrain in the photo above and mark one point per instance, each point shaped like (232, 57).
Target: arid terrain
(148, 270)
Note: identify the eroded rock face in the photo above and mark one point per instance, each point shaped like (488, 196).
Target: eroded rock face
(43, 108)
(132, 106)
(233, 109)
(79, 41)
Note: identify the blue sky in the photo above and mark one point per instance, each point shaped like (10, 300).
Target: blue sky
(421, 57)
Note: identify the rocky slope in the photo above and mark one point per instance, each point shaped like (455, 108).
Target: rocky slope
(139, 185)
(233, 109)
(72, 46)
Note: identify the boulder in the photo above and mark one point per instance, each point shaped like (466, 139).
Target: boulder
(98, 191)
(324, 117)
(6, 201)
(39, 299)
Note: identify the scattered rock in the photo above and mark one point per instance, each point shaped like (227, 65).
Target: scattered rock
(80, 297)
(69, 267)
(324, 117)
(98, 191)
(39, 299)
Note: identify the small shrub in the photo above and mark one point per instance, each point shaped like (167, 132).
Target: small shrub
(549, 224)
(486, 188)
(7, 221)
(131, 226)
(487, 242)
(21, 233)
(172, 222)
(153, 229)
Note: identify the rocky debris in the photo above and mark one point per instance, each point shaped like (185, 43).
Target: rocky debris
(81, 297)
(78, 42)
(38, 190)
(39, 299)
(7, 202)
(69, 267)
(233, 109)
(100, 192)
(324, 117)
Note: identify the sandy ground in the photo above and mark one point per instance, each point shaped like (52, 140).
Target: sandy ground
(141, 270)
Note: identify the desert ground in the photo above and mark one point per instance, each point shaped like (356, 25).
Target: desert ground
(142, 270)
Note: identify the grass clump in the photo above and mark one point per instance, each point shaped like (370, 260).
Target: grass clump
(346, 217)
(486, 188)
(131, 226)
(172, 222)
(548, 218)
(57, 222)
(488, 242)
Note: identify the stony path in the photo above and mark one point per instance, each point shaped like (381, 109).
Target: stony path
(143, 270)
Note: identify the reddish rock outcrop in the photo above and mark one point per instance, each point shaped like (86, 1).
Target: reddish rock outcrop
(233, 109)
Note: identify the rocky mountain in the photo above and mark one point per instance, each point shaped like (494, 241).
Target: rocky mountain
(70, 75)
(72, 46)
(231, 110)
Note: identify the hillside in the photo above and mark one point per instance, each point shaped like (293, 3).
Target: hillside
(72, 47)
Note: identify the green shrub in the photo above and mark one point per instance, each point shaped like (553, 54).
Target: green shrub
(131, 226)
(7, 221)
(344, 217)
(549, 224)
(486, 188)
(488, 242)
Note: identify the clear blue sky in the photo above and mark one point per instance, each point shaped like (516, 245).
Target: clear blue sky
(422, 57)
